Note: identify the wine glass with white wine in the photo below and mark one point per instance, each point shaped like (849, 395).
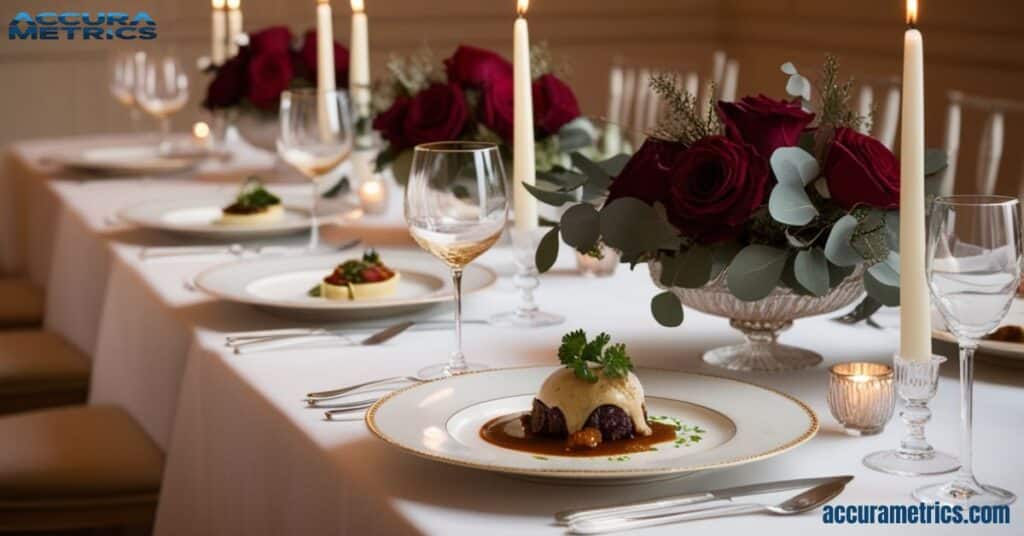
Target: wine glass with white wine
(456, 207)
(124, 73)
(162, 91)
(316, 136)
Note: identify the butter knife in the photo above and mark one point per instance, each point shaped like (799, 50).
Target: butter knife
(572, 516)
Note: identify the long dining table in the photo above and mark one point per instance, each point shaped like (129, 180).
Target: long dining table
(244, 455)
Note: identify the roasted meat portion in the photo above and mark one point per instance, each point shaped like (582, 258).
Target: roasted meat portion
(612, 421)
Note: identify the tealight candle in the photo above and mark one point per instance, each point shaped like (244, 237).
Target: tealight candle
(201, 134)
(860, 396)
(373, 196)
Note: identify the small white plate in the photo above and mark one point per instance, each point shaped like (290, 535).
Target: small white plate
(126, 160)
(280, 284)
(741, 423)
(198, 217)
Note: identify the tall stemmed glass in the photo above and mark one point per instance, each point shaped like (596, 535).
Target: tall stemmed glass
(456, 207)
(974, 268)
(315, 136)
(124, 72)
(162, 90)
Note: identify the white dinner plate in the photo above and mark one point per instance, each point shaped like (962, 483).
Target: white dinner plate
(198, 217)
(999, 349)
(126, 160)
(741, 422)
(280, 284)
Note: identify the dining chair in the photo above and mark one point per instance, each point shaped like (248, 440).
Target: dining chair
(991, 142)
(885, 115)
(21, 303)
(77, 467)
(39, 369)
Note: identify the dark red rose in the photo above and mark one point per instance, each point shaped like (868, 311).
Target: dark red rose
(437, 113)
(391, 123)
(765, 123)
(270, 40)
(715, 186)
(646, 175)
(862, 171)
(554, 105)
(308, 54)
(476, 67)
(498, 110)
(229, 83)
(269, 75)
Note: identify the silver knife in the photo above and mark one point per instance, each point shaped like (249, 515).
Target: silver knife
(567, 516)
(386, 334)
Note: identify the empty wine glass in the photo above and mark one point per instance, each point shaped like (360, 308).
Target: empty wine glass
(124, 72)
(456, 207)
(974, 268)
(315, 136)
(162, 90)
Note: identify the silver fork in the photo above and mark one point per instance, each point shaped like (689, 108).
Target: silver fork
(236, 250)
(374, 339)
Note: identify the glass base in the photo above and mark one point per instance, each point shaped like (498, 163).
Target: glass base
(892, 462)
(960, 492)
(761, 357)
(441, 370)
(536, 319)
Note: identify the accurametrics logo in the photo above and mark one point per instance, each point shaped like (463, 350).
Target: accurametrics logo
(74, 25)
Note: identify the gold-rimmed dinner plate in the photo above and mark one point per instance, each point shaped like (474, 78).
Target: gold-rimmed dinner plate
(737, 423)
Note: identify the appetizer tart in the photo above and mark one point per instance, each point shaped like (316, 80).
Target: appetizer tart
(254, 205)
(594, 406)
(358, 279)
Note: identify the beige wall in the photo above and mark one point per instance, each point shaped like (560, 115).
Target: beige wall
(56, 88)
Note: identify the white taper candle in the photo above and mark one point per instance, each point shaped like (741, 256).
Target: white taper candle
(524, 163)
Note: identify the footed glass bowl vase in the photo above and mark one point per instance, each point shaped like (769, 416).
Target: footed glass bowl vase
(761, 321)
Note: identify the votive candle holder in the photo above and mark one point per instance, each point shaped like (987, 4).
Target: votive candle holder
(861, 396)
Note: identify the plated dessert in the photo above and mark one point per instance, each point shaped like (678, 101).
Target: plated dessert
(358, 279)
(253, 205)
(594, 406)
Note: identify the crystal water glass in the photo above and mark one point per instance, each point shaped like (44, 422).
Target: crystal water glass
(974, 268)
(162, 91)
(124, 73)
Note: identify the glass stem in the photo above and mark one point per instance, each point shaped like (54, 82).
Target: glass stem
(457, 362)
(314, 223)
(526, 281)
(965, 476)
(165, 134)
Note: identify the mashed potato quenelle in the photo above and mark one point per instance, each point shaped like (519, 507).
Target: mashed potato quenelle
(360, 279)
(254, 205)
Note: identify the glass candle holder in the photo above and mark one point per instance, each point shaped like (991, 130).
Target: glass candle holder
(601, 265)
(373, 195)
(860, 396)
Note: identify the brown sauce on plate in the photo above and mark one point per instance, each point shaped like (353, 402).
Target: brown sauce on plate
(495, 432)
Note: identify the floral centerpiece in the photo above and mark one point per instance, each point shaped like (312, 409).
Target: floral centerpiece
(469, 97)
(761, 210)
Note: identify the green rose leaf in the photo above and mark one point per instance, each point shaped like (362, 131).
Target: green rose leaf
(547, 250)
(756, 271)
(885, 294)
(837, 248)
(667, 310)
(581, 226)
(549, 197)
(794, 166)
(694, 269)
(791, 205)
(811, 270)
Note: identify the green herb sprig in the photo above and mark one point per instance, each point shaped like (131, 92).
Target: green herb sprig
(578, 354)
(254, 195)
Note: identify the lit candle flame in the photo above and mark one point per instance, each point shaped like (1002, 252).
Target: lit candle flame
(522, 6)
(217, 4)
(234, 4)
(357, 6)
(201, 130)
(912, 12)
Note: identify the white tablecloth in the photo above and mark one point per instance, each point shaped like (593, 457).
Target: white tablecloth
(246, 457)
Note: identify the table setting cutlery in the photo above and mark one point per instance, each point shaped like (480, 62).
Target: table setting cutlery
(378, 337)
(237, 250)
(802, 502)
(298, 334)
(316, 399)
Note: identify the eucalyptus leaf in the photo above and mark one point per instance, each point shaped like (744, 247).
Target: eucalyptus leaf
(564, 181)
(935, 160)
(598, 177)
(667, 309)
(892, 229)
(401, 166)
(632, 226)
(799, 86)
(884, 294)
(572, 139)
(794, 166)
(547, 250)
(722, 255)
(549, 197)
(581, 226)
(614, 165)
(811, 270)
(755, 271)
(888, 271)
(669, 268)
(789, 68)
(791, 205)
(837, 274)
(694, 269)
(788, 278)
(838, 249)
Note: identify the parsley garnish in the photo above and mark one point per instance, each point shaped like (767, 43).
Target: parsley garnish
(254, 195)
(577, 354)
